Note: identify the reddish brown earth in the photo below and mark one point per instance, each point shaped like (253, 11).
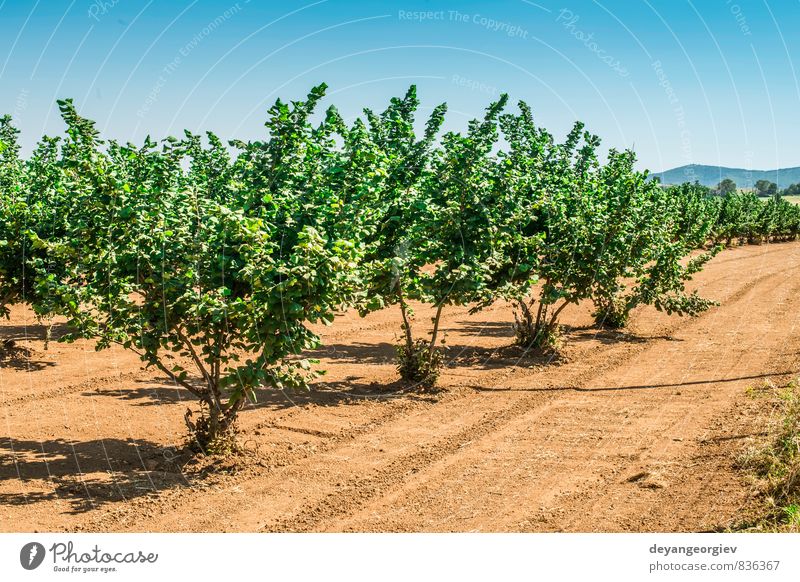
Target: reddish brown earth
(626, 432)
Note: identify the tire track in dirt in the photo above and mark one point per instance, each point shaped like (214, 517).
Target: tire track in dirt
(568, 458)
(734, 253)
(749, 360)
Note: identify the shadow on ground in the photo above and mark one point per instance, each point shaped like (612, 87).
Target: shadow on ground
(15, 357)
(86, 474)
(351, 390)
(454, 355)
(35, 331)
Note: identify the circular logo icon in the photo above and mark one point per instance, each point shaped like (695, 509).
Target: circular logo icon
(31, 555)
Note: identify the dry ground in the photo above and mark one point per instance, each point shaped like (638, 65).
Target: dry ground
(627, 432)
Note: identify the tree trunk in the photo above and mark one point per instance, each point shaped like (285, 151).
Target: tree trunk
(554, 319)
(525, 323)
(436, 326)
(214, 430)
(406, 323)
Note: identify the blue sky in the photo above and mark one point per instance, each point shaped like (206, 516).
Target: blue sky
(712, 82)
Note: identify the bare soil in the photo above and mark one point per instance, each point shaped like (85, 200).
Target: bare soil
(633, 431)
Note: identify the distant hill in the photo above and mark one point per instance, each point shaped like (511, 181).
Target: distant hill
(713, 175)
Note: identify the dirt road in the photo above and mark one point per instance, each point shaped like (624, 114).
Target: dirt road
(627, 432)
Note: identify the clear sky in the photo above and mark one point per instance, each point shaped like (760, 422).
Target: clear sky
(680, 81)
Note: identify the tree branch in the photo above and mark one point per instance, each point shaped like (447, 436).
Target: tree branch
(198, 362)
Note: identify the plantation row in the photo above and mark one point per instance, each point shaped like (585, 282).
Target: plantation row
(210, 264)
(743, 217)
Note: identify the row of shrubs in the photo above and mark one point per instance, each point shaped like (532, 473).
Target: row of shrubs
(210, 260)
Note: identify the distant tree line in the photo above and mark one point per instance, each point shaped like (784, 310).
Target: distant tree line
(762, 188)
